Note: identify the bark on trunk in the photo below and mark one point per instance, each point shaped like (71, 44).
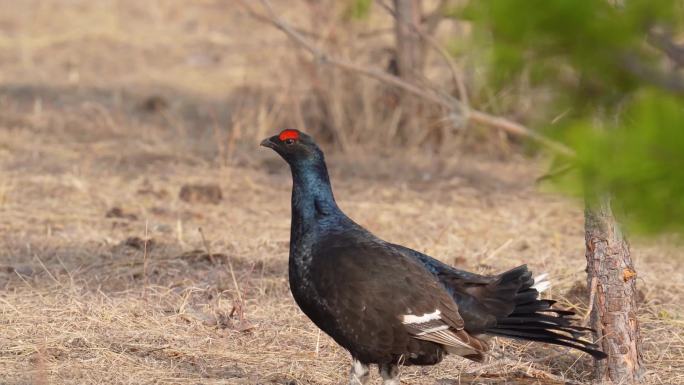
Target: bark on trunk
(612, 282)
(410, 55)
(409, 60)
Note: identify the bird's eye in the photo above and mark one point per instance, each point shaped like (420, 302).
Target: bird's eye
(289, 141)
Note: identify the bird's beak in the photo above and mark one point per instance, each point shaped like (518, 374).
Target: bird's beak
(268, 142)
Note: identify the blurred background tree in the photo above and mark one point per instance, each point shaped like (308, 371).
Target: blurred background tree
(613, 75)
(613, 92)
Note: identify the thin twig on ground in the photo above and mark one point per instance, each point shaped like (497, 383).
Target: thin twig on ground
(239, 303)
(145, 259)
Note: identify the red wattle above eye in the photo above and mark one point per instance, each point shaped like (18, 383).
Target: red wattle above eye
(288, 134)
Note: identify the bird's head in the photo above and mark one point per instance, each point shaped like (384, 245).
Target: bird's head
(296, 147)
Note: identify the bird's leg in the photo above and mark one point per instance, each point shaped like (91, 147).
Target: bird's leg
(390, 374)
(359, 373)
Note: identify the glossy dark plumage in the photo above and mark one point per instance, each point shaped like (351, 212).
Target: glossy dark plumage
(387, 304)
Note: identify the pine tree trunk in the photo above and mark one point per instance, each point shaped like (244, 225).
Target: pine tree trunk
(410, 60)
(410, 54)
(612, 282)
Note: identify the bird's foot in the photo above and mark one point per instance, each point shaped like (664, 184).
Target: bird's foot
(390, 374)
(359, 373)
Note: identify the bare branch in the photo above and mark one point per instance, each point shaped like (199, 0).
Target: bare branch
(519, 130)
(556, 172)
(257, 16)
(348, 65)
(432, 20)
(455, 74)
(664, 42)
(670, 81)
(443, 100)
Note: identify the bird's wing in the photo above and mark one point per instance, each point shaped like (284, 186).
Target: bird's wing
(445, 273)
(481, 299)
(368, 284)
(431, 327)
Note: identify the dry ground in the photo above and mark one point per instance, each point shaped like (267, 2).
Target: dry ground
(109, 105)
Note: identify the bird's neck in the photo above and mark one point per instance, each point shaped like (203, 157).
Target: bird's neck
(312, 196)
(313, 210)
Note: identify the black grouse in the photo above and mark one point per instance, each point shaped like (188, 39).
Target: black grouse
(390, 305)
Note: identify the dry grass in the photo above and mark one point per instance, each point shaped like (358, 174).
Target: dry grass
(113, 104)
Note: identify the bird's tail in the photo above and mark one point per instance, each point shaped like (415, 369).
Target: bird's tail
(535, 319)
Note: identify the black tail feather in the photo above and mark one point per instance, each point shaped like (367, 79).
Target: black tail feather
(593, 350)
(544, 325)
(534, 319)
